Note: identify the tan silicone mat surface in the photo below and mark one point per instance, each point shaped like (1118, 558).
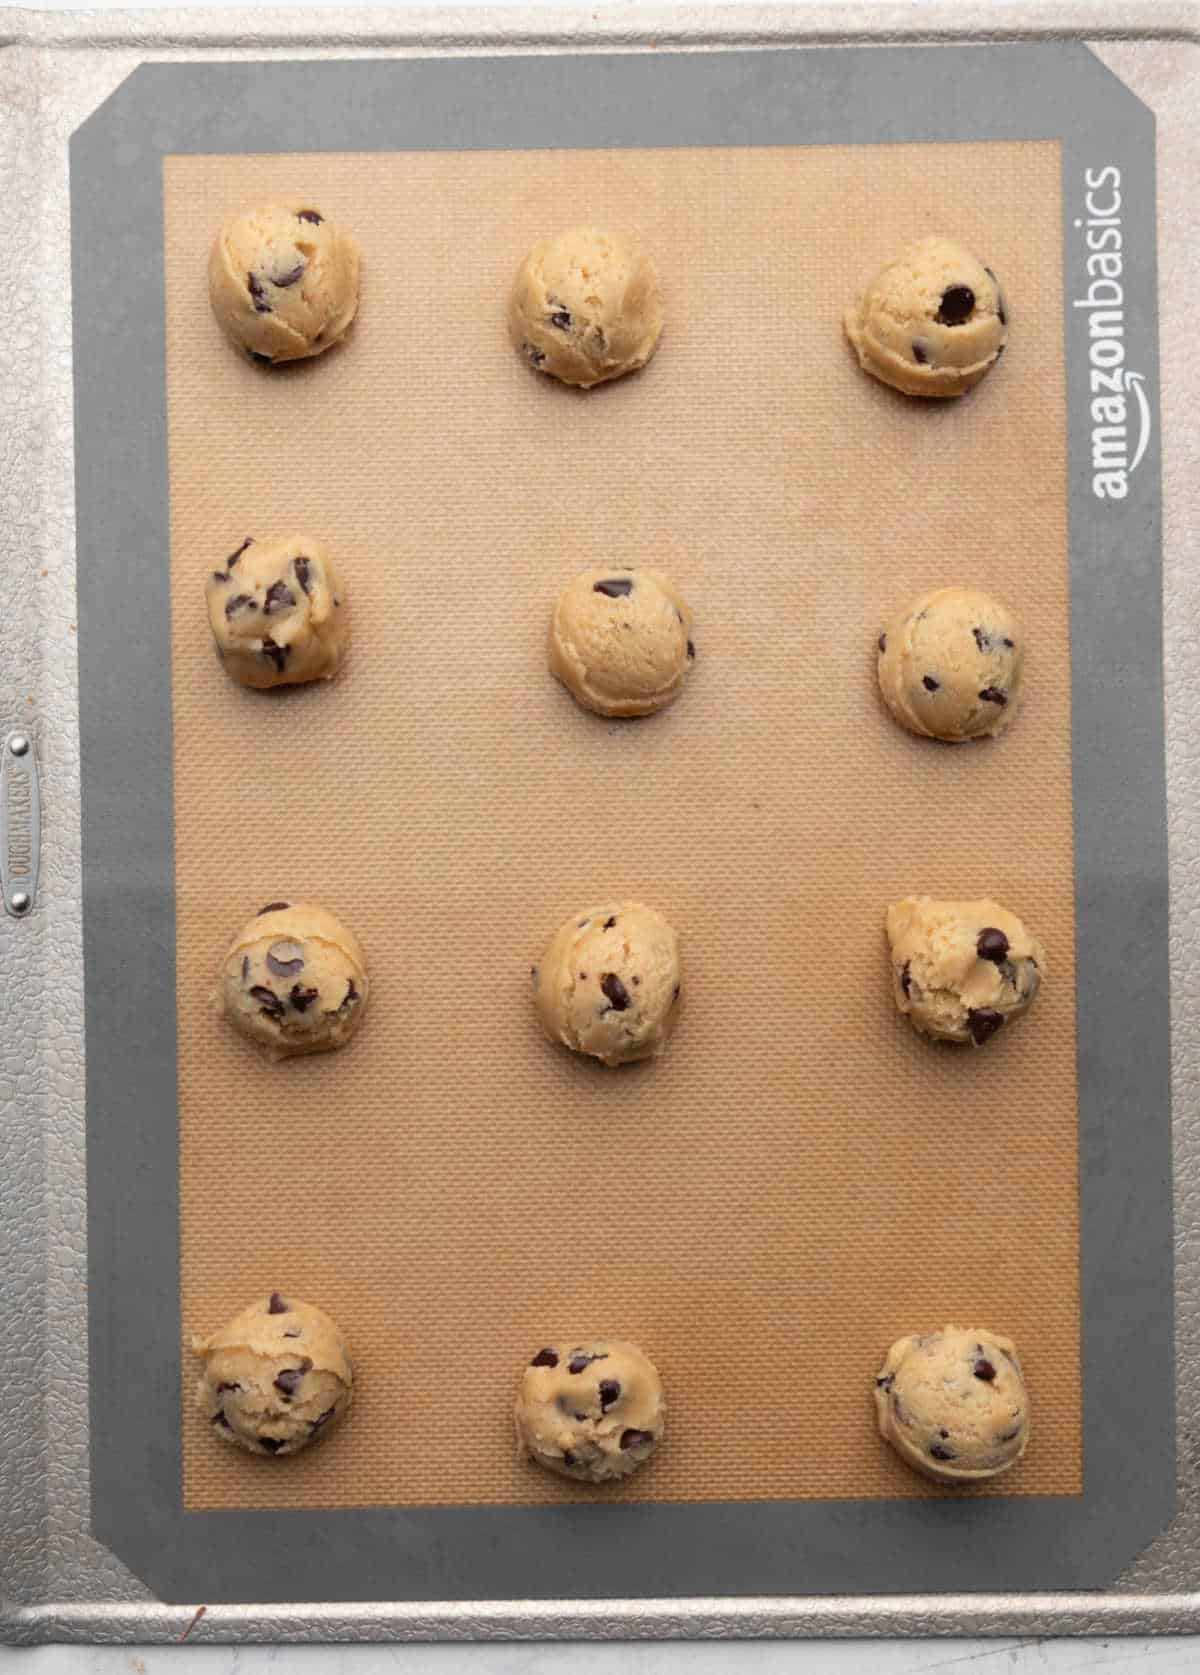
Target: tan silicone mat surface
(800, 1179)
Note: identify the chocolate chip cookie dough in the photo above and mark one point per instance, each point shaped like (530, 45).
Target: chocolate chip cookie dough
(950, 666)
(620, 641)
(932, 322)
(585, 306)
(961, 969)
(276, 1377)
(591, 1411)
(609, 983)
(278, 613)
(283, 282)
(294, 980)
(953, 1404)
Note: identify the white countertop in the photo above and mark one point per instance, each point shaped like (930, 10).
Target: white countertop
(1173, 1656)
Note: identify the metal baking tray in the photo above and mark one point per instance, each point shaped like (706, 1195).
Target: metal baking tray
(59, 1582)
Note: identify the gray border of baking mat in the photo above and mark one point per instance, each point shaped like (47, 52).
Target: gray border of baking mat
(779, 97)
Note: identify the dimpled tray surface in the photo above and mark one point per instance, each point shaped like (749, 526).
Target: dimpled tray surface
(59, 1580)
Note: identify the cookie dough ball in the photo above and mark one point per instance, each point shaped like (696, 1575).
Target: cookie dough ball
(620, 641)
(609, 982)
(276, 1377)
(932, 322)
(950, 665)
(961, 969)
(283, 282)
(591, 1411)
(953, 1404)
(295, 980)
(278, 613)
(585, 306)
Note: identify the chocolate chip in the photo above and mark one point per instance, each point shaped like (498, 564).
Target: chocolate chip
(219, 1418)
(239, 602)
(610, 1392)
(562, 319)
(885, 1381)
(288, 1381)
(583, 976)
(957, 305)
(544, 1358)
(533, 354)
(930, 685)
(615, 991)
(569, 1458)
(939, 1451)
(279, 598)
(906, 979)
(882, 642)
(983, 1021)
(273, 1444)
(675, 996)
(635, 1439)
(615, 587)
(637, 982)
(982, 639)
(264, 360)
(301, 998)
(276, 1304)
(579, 1363)
(294, 1332)
(309, 215)
(691, 650)
(283, 280)
(1007, 643)
(994, 695)
(268, 1000)
(222, 1388)
(992, 944)
(352, 995)
(303, 569)
(985, 1370)
(271, 907)
(285, 959)
(254, 283)
(245, 967)
(609, 923)
(943, 1433)
(221, 576)
(322, 1418)
(920, 352)
(277, 654)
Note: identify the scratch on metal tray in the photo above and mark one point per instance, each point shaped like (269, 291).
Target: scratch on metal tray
(200, 1612)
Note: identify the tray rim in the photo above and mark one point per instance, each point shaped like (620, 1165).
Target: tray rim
(480, 31)
(574, 26)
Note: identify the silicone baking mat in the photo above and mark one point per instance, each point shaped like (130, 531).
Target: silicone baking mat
(800, 1178)
(799, 1172)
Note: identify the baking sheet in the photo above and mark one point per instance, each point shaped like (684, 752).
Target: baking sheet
(649, 1618)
